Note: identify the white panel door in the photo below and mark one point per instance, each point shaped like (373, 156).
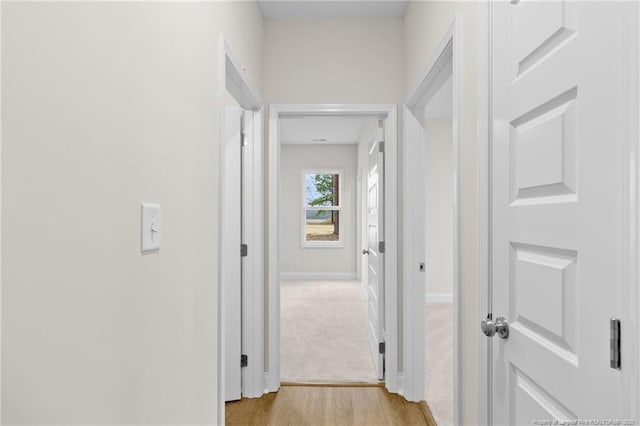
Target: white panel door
(557, 208)
(375, 287)
(230, 260)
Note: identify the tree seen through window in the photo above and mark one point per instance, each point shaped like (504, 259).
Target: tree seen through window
(322, 207)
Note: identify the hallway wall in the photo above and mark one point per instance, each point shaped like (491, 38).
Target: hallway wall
(315, 260)
(106, 105)
(334, 61)
(425, 25)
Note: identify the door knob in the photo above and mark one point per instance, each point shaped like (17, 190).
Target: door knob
(490, 328)
(365, 251)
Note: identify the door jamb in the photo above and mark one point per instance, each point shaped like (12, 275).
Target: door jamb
(447, 52)
(631, 223)
(359, 221)
(389, 111)
(484, 205)
(231, 77)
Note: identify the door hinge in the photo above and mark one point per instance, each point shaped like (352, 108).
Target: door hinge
(381, 147)
(381, 348)
(244, 250)
(614, 343)
(244, 140)
(381, 247)
(244, 360)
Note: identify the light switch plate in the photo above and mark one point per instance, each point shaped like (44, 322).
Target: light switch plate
(150, 229)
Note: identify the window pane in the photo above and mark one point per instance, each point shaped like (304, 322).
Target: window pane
(322, 225)
(321, 189)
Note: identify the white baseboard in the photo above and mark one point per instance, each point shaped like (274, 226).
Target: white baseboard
(317, 276)
(438, 298)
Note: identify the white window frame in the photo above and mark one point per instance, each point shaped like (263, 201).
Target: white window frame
(303, 209)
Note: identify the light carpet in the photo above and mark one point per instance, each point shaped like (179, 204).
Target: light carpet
(324, 332)
(324, 339)
(439, 359)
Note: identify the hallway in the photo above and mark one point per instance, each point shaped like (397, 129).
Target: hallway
(330, 406)
(171, 172)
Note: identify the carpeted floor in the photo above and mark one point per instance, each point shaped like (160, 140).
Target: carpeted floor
(439, 359)
(324, 339)
(324, 332)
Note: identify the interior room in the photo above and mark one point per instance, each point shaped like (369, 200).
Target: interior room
(439, 266)
(323, 300)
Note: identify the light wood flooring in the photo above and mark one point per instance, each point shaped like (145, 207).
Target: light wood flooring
(328, 405)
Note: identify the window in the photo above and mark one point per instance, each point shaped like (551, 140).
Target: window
(322, 204)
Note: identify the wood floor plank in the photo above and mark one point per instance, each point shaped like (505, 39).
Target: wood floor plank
(328, 406)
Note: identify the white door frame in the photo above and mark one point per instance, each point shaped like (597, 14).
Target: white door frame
(232, 78)
(0, 212)
(272, 376)
(484, 215)
(359, 221)
(446, 55)
(631, 226)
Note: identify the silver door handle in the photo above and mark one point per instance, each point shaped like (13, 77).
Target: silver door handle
(365, 251)
(490, 328)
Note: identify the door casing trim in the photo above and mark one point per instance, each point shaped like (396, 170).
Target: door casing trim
(484, 199)
(445, 55)
(232, 77)
(388, 111)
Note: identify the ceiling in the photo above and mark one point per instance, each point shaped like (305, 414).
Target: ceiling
(333, 8)
(336, 130)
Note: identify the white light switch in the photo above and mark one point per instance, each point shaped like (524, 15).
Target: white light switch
(150, 234)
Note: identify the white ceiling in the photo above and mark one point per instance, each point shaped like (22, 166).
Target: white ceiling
(333, 8)
(336, 130)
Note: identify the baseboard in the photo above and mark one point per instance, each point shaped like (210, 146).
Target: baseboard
(317, 276)
(438, 298)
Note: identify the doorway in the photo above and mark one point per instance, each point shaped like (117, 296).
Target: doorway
(335, 238)
(240, 293)
(431, 234)
(439, 254)
(323, 306)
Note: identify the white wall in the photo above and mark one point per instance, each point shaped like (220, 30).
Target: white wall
(106, 105)
(313, 260)
(438, 166)
(425, 25)
(334, 61)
